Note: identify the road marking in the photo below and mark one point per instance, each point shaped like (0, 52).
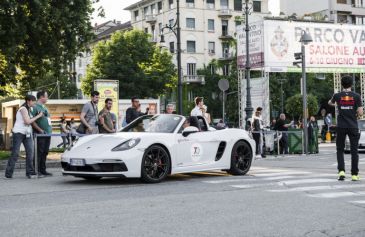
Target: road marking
(315, 188)
(244, 186)
(268, 171)
(359, 202)
(306, 181)
(282, 173)
(336, 194)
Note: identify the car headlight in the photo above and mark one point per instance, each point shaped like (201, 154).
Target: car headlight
(127, 144)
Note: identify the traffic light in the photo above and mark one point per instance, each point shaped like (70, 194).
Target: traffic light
(298, 56)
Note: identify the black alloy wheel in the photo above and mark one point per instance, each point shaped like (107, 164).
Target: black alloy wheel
(241, 158)
(155, 164)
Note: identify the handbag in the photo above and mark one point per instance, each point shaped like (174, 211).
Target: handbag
(81, 128)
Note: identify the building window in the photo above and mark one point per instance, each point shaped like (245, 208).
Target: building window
(145, 12)
(226, 70)
(210, 4)
(211, 47)
(159, 27)
(154, 35)
(171, 4)
(190, 23)
(212, 71)
(136, 15)
(190, 3)
(224, 27)
(237, 5)
(257, 6)
(191, 69)
(225, 50)
(159, 7)
(210, 25)
(172, 47)
(342, 1)
(224, 4)
(146, 30)
(341, 18)
(153, 9)
(190, 46)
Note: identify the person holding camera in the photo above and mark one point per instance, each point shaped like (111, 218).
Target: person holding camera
(42, 125)
(89, 116)
(22, 133)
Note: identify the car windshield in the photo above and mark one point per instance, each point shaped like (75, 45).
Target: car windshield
(361, 124)
(164, 123)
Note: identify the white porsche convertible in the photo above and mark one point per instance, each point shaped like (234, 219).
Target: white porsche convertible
(152, 147)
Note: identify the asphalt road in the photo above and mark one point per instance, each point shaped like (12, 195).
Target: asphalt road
(281, 196)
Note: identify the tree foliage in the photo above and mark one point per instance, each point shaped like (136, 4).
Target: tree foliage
(141, 68)
(294, 105)
(38, 37)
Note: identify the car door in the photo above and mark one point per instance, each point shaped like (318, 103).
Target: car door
(197, 149)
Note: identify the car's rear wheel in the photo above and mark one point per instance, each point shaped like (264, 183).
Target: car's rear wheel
(156, 164)
(91, 178)
(241, 158)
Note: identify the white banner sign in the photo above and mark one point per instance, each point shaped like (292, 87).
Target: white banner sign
(335, 48)
(256, 45)
(260, 96)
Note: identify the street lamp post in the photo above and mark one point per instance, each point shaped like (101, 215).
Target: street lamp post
(281, 81)
(176, 29)
(304, 39)
(248, 108)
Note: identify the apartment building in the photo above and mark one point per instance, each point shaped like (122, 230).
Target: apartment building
(102, 32)
(207, 28)
(337, 11)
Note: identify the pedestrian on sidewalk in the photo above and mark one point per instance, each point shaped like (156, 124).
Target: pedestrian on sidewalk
(349, 109)
(22, 133)
(66, 132)
(42, 125)
(312, 135)
(134, 111)
(106, 124)
(89, 115)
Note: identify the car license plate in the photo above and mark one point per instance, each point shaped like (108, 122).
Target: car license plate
(77, 162)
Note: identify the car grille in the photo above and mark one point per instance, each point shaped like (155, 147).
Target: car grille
(99, 167)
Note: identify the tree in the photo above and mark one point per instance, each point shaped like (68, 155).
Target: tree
(43, 36)
(294, 105)
(142, 68)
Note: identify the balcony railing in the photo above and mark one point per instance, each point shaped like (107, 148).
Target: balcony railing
(151, 18)
(227, 56)
(187, 79)
(225, 13)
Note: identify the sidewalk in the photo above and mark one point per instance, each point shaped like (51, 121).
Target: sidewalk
(53, 161)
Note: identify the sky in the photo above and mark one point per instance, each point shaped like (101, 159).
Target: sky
(114, 10)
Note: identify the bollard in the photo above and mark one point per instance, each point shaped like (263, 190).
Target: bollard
(36, 154)
(328, 137)
(278, 142)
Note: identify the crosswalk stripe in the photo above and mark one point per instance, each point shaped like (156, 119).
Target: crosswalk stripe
(306, 181)
(282, 173)
(359, 202)
(336, 194)
(244, 186)
(315, 188)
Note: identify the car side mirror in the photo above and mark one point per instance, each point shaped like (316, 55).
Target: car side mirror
(188, 130)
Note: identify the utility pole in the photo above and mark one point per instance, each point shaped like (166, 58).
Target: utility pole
(58, 89)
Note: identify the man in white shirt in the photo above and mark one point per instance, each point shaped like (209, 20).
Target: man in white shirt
(197, 111)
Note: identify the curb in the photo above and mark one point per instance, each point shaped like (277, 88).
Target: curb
(21, 164)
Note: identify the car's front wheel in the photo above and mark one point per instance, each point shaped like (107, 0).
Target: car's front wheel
(241, 158)
(155, 164)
